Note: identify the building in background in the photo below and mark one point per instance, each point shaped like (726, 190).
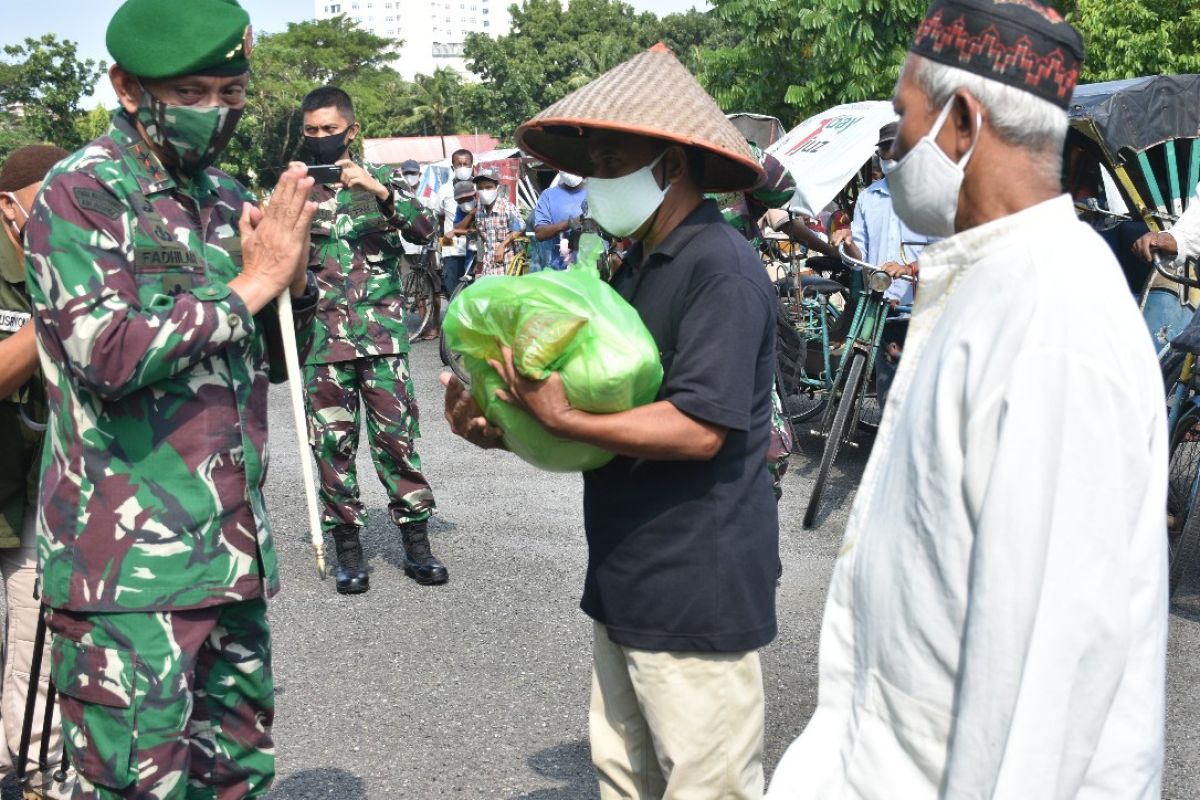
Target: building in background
(433, 31)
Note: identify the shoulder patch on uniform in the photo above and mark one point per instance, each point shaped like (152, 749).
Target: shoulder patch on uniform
(98, 201)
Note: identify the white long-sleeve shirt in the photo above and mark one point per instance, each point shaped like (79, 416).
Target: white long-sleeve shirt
(996, 624)
(1186, 231)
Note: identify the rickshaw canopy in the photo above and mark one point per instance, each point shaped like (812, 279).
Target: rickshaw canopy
(1131, 116)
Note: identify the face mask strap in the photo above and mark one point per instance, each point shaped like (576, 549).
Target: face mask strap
(654, 164)
(941, 120)
(18, 229)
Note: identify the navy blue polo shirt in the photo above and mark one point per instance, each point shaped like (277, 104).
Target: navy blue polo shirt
(682, 555)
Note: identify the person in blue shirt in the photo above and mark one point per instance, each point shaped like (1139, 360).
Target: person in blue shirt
(878, 236)
(559, 211)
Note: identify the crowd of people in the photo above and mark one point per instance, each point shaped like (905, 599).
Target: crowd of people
(996, 618)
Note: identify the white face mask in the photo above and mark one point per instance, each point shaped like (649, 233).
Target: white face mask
(469, 205)
(488, 196)
(622, 205)
(886, 166)
(462, 173)
(569, 180)
(412, 180)
(925, 183)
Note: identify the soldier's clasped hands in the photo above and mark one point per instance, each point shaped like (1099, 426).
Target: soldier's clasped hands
(275, 242)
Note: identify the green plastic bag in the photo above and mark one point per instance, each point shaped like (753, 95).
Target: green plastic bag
(572, 323)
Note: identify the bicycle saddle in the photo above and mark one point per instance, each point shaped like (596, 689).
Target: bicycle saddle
(813, 283)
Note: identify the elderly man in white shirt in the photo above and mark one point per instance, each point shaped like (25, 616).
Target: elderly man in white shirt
(996, 624)
(1179, 242)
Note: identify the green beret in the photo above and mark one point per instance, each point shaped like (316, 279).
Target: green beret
(167, 38)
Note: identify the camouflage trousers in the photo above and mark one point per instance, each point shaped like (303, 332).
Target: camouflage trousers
(779, 451)
(168, 704)
(336, 394)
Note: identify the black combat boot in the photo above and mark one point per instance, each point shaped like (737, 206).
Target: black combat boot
(419, 563)
(351, 575)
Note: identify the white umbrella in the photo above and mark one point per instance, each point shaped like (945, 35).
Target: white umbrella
(825, 151)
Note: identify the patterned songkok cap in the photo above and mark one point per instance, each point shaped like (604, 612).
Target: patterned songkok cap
(1021, 43)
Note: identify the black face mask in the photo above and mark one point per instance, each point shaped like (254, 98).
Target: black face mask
(326, 149)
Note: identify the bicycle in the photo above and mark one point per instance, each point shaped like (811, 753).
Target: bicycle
(421, 284)
(518, 264)
(850, 387)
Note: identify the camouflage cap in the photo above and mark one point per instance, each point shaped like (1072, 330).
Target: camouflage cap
(166, 38)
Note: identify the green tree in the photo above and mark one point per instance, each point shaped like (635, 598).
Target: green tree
(14, 134)
(550, 51)
(1129, 38)
(93, 124)
(436, 99)
(49, 80)
(799, 56)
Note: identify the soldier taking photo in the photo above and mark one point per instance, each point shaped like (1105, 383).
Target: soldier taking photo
(154, 277)
(359, 357)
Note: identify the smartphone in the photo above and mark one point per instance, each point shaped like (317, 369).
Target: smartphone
(325, 173)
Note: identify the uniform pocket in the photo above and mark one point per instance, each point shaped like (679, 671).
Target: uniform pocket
(96, 693)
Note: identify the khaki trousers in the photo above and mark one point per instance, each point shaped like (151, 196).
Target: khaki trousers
(676, 726)
(19, 569)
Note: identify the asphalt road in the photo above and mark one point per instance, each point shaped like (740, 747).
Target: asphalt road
(479, 688)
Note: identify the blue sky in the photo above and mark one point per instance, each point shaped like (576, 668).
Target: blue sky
(84, 21)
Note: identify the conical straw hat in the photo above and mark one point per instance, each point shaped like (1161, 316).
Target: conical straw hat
(651, 94)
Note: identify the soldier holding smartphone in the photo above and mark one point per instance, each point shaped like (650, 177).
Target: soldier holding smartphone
(358, 364)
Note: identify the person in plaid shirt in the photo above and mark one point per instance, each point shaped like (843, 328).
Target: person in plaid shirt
(498, 222)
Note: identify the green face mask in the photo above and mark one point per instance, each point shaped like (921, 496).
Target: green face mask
(193, 137)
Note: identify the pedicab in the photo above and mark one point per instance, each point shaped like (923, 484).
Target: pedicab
(1145, 133)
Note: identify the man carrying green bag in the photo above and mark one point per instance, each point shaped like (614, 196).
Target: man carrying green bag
(681, 524)
(571, 323)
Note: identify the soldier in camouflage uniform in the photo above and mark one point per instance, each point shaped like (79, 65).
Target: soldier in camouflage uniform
(22, 420)
(359, 357)
(153, 278)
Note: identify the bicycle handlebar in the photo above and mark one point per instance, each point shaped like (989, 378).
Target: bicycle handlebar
(1180, 277)
(854, 263)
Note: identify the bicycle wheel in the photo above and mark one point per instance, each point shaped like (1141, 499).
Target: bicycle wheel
(1185, 550)
(449, 357)
(869, 410)
(833, 436)
(420, 301)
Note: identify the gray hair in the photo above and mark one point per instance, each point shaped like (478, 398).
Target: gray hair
(1018, 117)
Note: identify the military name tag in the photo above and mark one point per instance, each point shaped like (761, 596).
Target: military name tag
(98, 201)
(151, 259)
(362, 204)
(13, 321)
